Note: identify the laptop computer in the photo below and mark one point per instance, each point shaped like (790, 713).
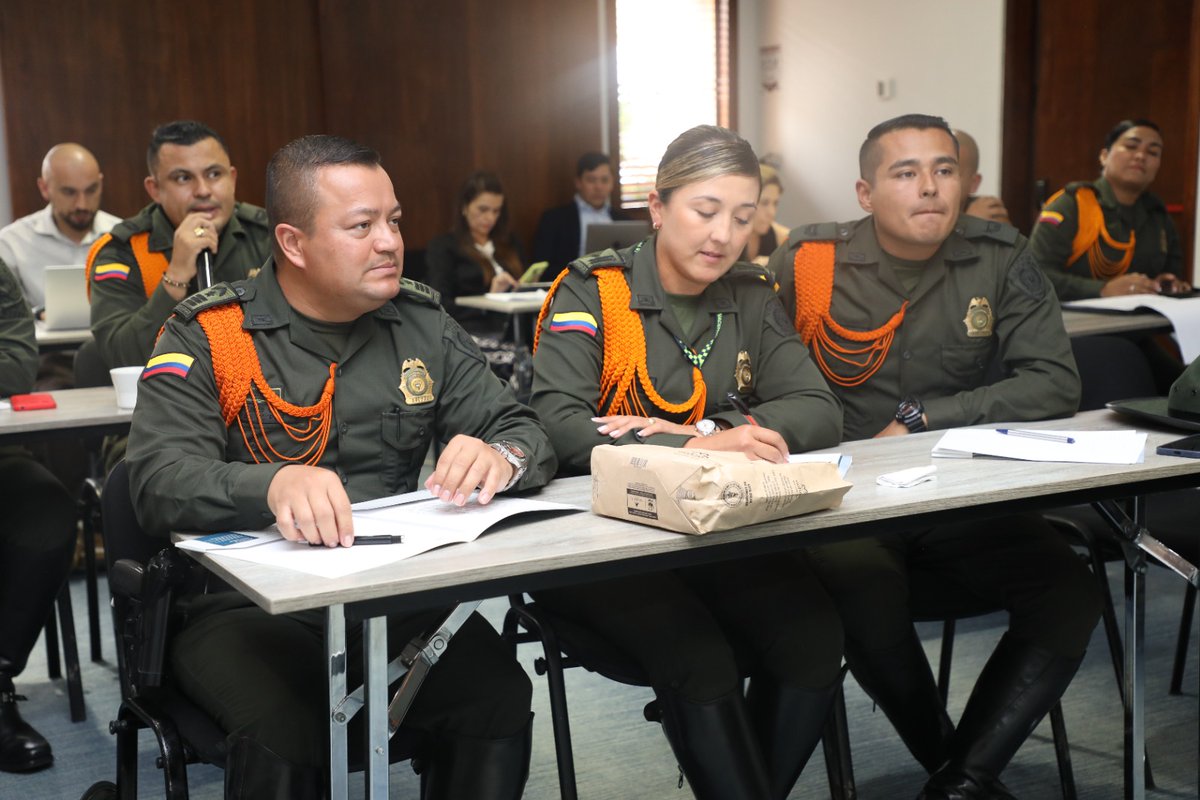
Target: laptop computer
(603, 235)
(66, 298)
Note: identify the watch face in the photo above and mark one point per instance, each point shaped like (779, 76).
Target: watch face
(706, 427)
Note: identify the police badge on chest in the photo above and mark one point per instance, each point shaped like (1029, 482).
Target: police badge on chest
(979, 320)
(415, 382)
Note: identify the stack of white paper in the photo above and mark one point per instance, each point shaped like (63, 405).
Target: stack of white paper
(841, 460)
(1085, 447)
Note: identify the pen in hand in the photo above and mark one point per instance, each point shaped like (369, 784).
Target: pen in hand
(1045, 437)
(741, 407)
(370, 539)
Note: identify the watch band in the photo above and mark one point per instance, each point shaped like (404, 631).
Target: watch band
(513, 455)
(911, 414)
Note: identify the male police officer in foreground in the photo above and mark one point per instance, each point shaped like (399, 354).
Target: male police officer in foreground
(320, 382)
(148, 263)
(905, 311)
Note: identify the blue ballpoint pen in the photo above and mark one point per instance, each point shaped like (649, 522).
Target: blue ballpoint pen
(1045, 437)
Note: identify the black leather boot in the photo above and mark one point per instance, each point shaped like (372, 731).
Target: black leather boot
(715, 745)
(465, 768)
(253, 772)
(22, 749)
(789, 721)
(1018, 686)
(900, 682)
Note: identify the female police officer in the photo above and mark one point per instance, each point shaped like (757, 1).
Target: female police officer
(643, 345)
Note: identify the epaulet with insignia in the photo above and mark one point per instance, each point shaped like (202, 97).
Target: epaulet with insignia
(126, 229)
(975, 228)
(744, 270)
(603, 258)
(255, 215)
(820, 232)
(218, 294)
(419, 293)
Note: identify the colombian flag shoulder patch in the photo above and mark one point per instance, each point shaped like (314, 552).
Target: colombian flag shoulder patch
(178, 364)
(1051, 218)
(580, 321)
(104, 272)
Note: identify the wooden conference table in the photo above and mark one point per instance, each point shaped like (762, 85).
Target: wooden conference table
(557, 550)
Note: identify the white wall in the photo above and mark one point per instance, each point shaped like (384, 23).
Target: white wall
(943, 57)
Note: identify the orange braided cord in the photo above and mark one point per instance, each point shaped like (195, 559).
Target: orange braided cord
(625, 357)
(813, 269)
(1087, 239)
(241, 385)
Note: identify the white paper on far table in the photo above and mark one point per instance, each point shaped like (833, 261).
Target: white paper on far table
(1183, 312)
(1090, 447)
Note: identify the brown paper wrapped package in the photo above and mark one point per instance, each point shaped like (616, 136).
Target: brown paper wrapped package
(700, 491)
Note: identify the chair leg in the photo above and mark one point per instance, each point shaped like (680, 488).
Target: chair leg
(560, 718)
(53, 661)
(66, 618)
(943, 680)
(90, 541)
(1112, 629)
(835, 740)
(1181, 640)
(1062, 752)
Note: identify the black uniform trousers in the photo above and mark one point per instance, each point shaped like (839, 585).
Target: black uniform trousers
(37, 540)
(691, 629)
(264, 677)
(1018, 564)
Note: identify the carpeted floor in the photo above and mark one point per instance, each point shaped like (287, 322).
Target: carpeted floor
(619, 756)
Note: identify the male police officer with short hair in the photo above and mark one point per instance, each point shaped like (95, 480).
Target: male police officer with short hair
(323, 381)
(905, 311)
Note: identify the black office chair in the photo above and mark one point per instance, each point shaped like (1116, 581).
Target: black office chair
(566, 645)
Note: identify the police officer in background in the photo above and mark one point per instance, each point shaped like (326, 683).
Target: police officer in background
(905, 311)
(284, 398)
(148, 263)
(36, 539)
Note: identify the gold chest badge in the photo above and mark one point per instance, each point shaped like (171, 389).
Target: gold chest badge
(979, 320)
(743, 373)
(415, 382)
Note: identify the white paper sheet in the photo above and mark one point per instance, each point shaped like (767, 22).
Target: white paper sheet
(517, 297)
(842, 460)
(1089, 447)
(1183, 312)
(425, 524)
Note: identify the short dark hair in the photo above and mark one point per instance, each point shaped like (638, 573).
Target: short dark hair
(1121, 127)
(868, 154)
(292, 175)
(589, 161)
(183, 132)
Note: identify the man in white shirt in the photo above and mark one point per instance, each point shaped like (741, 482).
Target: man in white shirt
(63, 231)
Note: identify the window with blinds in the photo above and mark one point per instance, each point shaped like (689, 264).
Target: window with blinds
(672, 73)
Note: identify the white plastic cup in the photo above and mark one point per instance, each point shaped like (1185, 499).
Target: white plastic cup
(125, 381)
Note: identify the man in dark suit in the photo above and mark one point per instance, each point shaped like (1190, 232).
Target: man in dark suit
(562, 231)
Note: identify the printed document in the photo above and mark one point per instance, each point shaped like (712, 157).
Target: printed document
(1085, 447)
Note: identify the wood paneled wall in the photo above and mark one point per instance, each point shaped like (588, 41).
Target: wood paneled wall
(439, 87)
(1074, 68)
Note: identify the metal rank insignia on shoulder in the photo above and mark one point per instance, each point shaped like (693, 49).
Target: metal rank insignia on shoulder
(415, 382)
(744, 373)
(979, 319)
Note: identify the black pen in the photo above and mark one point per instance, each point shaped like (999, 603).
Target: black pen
(741, 407)
(370, 539)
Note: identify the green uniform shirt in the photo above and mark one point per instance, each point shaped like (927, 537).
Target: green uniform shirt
(188, 471)
(782, 385)
(932, 356)
(1156, 251)
(18, 347)
(124, 321)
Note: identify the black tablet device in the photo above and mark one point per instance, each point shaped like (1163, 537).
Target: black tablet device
(1188, 447)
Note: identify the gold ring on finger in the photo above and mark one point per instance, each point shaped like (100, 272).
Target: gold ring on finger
(198, 230)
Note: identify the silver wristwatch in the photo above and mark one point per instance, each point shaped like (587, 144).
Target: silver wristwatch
(706, 427)
(513, 455)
